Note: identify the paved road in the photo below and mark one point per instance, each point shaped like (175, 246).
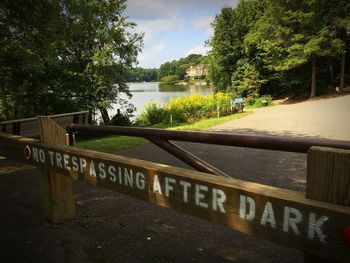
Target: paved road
(327, 118)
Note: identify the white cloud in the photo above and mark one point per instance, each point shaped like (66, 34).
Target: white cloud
(158, 48)
(198, 49)
(202, 21)
(153, 28)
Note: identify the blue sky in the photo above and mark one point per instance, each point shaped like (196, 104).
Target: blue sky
(173, 28)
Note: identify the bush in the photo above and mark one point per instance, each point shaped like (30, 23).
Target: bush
(186, 109)
(253, 102)
(153, 114)
(169, 79)
(121, 119)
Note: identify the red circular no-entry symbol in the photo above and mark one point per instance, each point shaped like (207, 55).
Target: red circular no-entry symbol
(27, 152)
(347, 235)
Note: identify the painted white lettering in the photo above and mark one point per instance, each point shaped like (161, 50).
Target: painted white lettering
(58, 160)
(92, 169)
(168, 186)
(291, 221)
(120, 175)
(268, 216)
(112, 175)
(101, 171)
(156, 185)
(244, 200)
(83, 164)
(128, 177)
(200, 196)
(186, 186)
(42, 156)
(140, 180)
(66, 162)
(315, 227)
(35, 155)
(51, 156)
(75, 163)
(219, 197)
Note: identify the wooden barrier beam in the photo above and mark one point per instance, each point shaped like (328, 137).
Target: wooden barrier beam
(280, 215)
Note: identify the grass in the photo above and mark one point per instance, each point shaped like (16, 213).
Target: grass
(249, 107)
(115, 143)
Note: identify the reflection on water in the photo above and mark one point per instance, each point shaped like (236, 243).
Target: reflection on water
(146, 91)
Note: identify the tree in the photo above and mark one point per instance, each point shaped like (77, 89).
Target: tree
(293, 33)
(60, 55)
(178, 67)
(230, 29)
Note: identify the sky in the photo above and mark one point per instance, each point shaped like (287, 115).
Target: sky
(173, 28)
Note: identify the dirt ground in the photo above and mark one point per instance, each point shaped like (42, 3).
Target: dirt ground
(112, 227)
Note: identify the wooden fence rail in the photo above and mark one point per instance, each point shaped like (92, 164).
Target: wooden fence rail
(283, 216)
(29, 127)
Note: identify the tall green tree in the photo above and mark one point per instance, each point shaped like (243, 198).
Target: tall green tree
(62, 55)
(293, 33)
(230, 29)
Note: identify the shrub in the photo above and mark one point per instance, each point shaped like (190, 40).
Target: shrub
(186, 109)
(169, 78)
(153, 114)
(252, 102)
(121, 119)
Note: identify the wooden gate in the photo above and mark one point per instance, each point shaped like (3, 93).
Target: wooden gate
(318, 227)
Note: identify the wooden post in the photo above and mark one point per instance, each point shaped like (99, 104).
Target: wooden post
(57, 193)
(328, 180)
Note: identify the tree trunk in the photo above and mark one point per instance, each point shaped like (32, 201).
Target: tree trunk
(105, 116)
(342, 71)
(331, 71)
(313, 77)
(5, 105)
(90, 120)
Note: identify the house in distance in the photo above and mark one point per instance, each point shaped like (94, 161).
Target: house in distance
(197, 72)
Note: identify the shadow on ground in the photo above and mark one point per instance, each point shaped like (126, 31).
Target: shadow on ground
(111, 227)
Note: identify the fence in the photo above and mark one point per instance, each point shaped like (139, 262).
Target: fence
(320, 228)
(29, 126)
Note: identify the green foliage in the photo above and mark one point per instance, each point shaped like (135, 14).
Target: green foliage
(169, 79)
(60, 56)
(141, 74)
(247, 80)
(230, 28)
(178, 67)
(153, 114)
(257, 102)
(186, 109)
(264, 47)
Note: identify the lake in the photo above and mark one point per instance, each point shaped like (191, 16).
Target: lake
(144, 92)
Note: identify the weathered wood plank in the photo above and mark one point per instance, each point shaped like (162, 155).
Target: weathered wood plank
(57, 192)
(328, 180)
(29, 127)
(328, 175)
(279, 215)
(51, 116)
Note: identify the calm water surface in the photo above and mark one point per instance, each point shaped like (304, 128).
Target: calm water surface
(144, 92)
